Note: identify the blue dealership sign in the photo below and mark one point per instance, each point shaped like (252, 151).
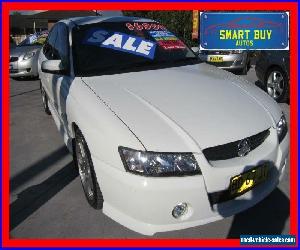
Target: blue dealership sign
(247, 30)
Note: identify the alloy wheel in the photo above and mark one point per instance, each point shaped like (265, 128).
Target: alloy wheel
(44, 99)
(275, 84)
(85, 171)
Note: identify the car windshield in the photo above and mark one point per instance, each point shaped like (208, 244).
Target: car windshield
(118, 47)
(35, 39)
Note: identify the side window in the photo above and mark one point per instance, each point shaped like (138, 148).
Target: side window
(48, 49)
(62, 44)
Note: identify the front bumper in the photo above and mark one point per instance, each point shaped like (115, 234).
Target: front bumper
(22, 68)
(229, 62)
(145, 204)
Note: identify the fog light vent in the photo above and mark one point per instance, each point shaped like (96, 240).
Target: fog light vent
(179, 210)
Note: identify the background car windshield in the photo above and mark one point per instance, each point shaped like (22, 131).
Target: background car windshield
(115, 47)
(38, 38)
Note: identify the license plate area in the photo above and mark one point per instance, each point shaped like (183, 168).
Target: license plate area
(216, 59)
(246, 181)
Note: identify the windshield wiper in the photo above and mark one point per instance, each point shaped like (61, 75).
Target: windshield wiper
(138, 65)
(185, 59)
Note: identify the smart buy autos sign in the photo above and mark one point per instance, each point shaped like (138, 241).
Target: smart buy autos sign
(249, 30)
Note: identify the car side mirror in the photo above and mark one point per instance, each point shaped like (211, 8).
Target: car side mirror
(195, 50)
(53, 67)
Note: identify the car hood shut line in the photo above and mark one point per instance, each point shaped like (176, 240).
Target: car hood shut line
(106, 104)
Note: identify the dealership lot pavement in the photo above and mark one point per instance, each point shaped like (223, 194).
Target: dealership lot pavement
(47, 200)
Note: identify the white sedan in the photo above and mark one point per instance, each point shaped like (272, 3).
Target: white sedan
(162, 141)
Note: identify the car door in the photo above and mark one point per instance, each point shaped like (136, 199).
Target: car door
(61, 82)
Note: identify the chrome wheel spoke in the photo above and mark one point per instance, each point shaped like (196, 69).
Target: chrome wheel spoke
(271, 91)
(84, 169)
(279, 78)
(44, 98)
(274, 77)
(275, 84)
(279, 90)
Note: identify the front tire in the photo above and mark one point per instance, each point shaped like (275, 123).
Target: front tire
(87, 173)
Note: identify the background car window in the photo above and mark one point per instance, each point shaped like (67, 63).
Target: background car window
(37, 38)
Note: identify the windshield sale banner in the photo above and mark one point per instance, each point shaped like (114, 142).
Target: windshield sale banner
(244, 31)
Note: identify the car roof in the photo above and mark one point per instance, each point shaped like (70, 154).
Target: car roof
(97, 19)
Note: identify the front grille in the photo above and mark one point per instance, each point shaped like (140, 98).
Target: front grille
(230, 150)
(221, 64)
(13, 59)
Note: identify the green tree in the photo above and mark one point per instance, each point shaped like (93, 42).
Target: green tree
(16, 13)
(179, 22)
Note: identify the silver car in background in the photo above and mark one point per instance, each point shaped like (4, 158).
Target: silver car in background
(23, 57)
(237, 61)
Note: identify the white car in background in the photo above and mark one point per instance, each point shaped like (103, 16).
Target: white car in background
(162, 141)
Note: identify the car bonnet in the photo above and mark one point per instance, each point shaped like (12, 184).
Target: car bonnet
(186, 108)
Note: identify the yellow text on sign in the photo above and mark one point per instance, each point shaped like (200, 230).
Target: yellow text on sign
(262, 34)
(237, 34)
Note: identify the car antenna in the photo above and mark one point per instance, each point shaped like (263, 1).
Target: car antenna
(98, 13)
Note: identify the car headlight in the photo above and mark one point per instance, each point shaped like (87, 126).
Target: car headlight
(28, 55)
(158, 164)
(281, 128)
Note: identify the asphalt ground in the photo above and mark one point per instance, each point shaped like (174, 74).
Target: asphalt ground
(47, 201)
